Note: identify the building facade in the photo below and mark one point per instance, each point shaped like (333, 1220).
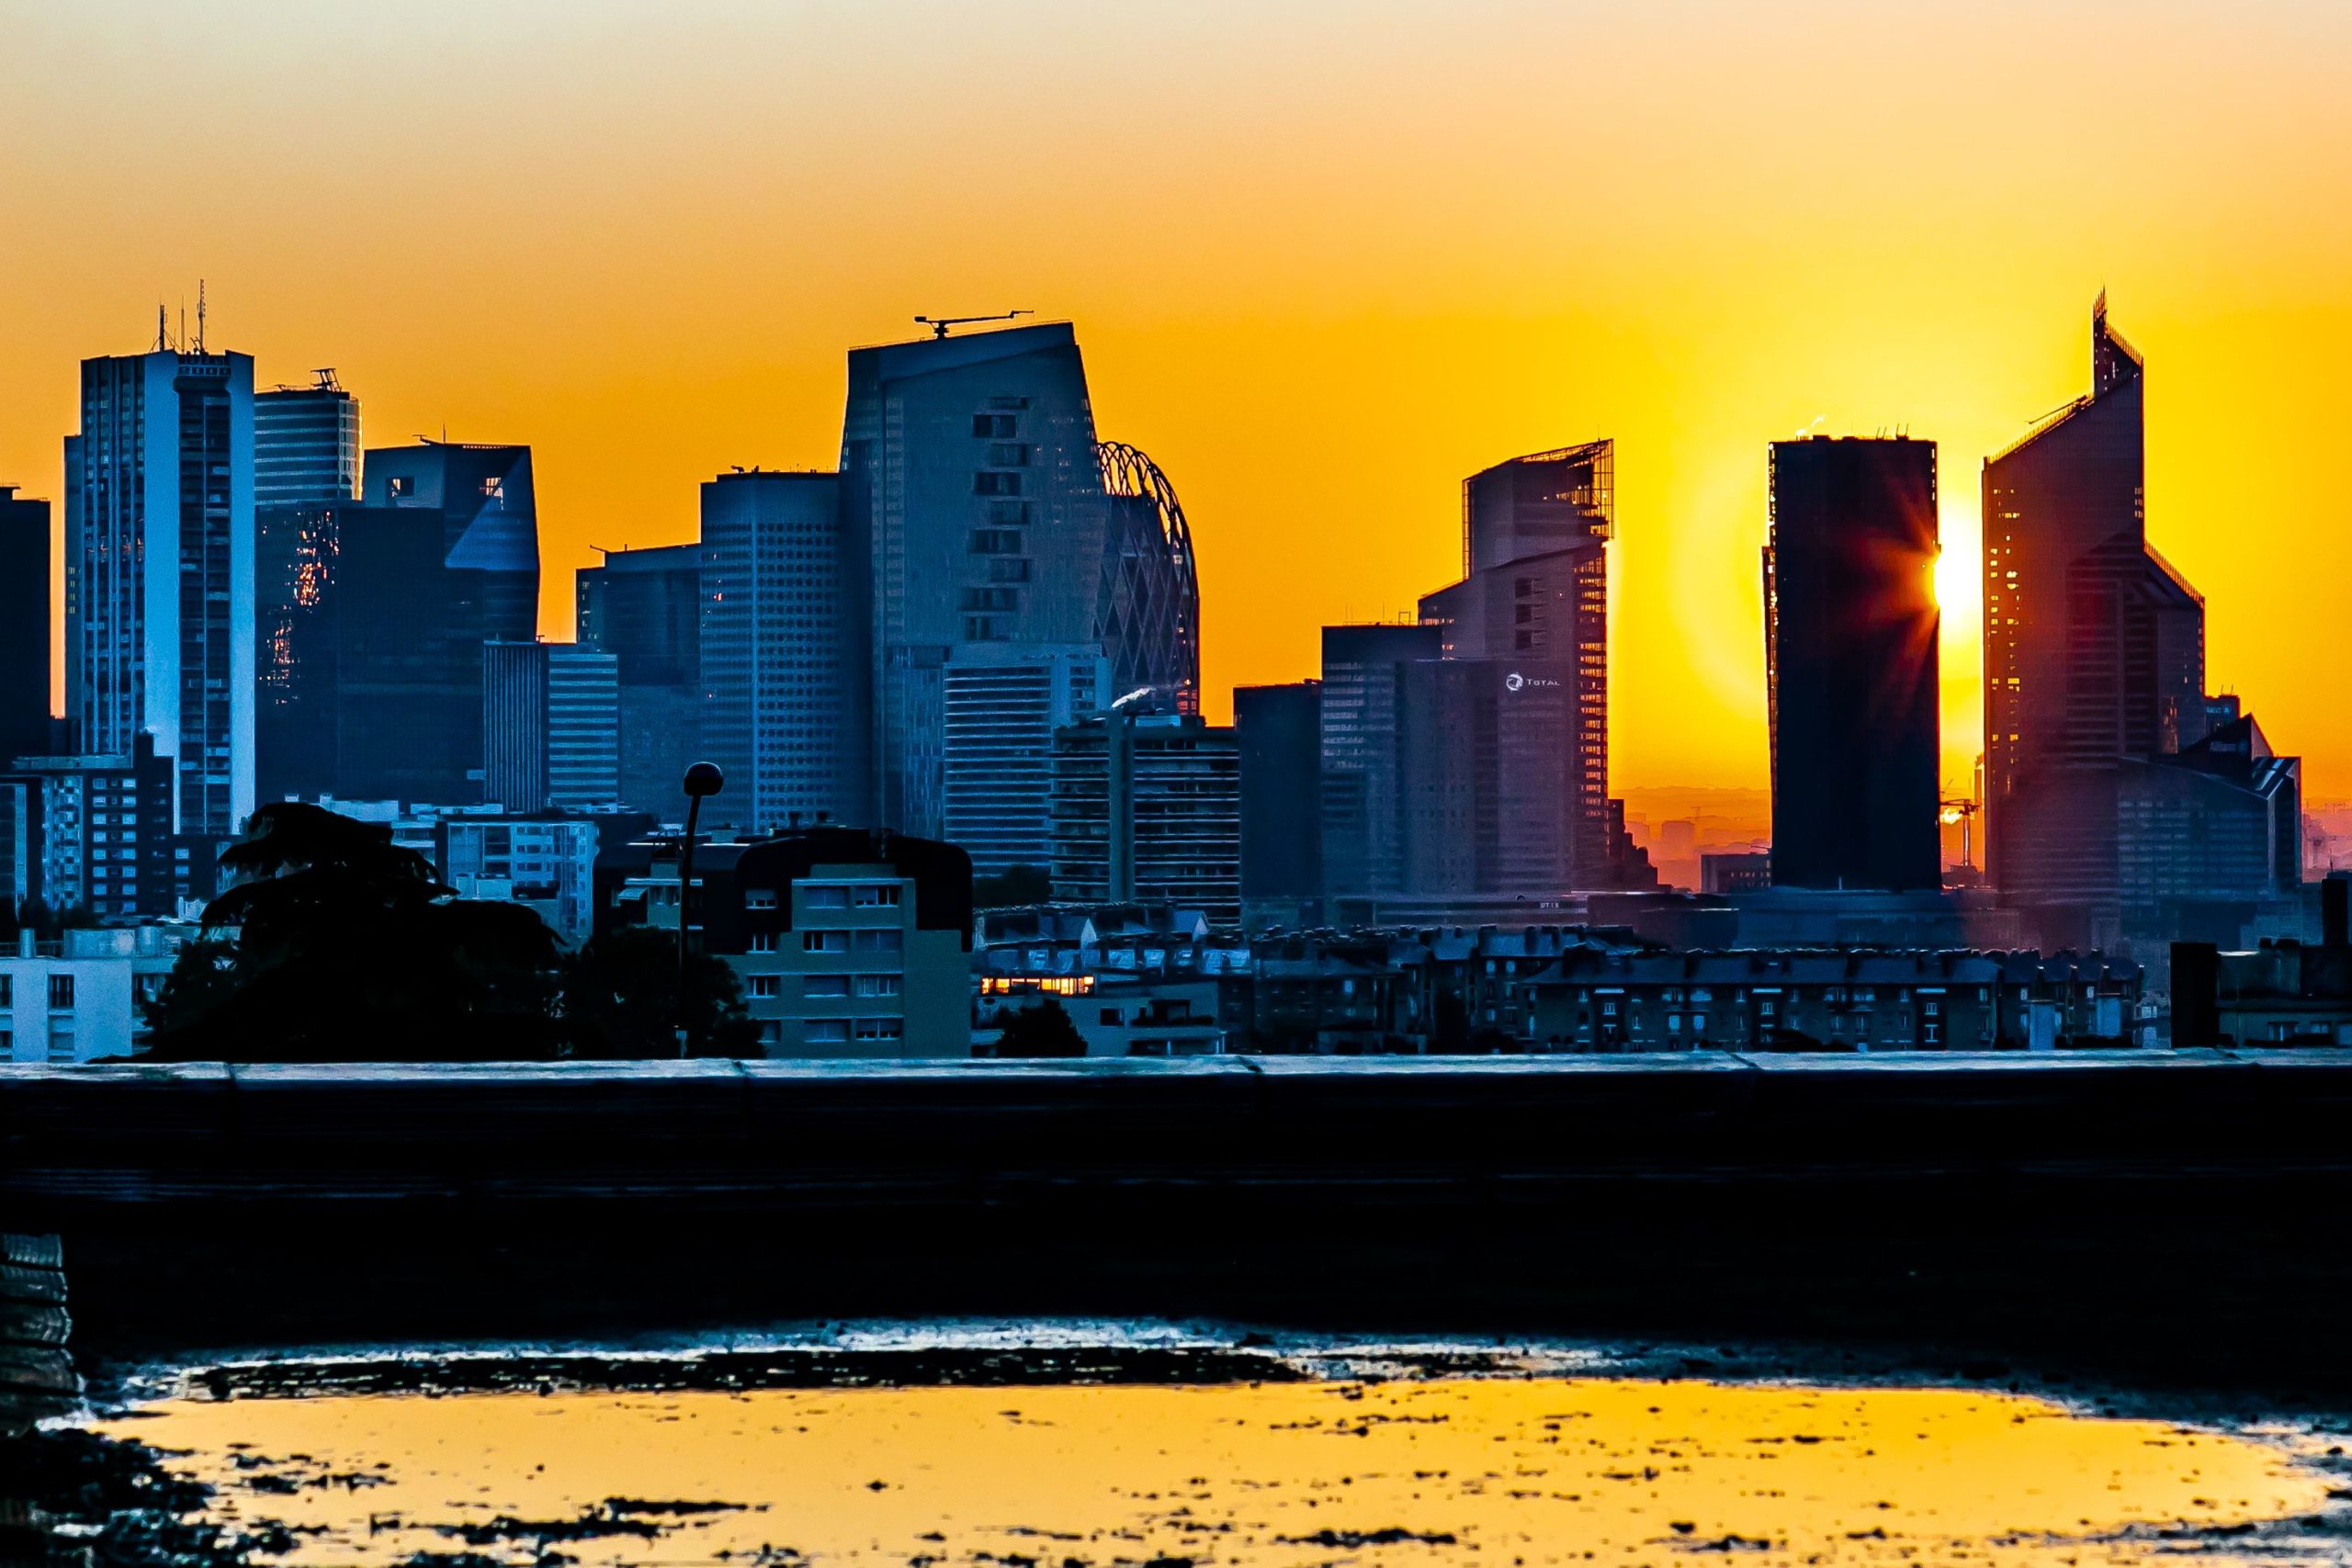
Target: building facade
(78, 999)
(2094, 671)
(1148, 807)
(160, 583)
(781, 671)
(1001, 708)
(94, 832)
(25, 625)
(550, 719)
(989, 522)
(306, 444)
(1278, 731)
(1850, 665)
(1362, 713)
(644, 607)
(548, 864)
(848, 943)
(374, 617)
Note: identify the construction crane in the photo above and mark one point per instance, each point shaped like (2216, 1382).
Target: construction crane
(1964, 813)
(939, 324)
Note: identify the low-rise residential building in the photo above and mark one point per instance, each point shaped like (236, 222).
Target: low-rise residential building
(848, 942)
(2281, 992)
(77, 998)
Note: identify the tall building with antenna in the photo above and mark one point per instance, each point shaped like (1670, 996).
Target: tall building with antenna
(159, 567)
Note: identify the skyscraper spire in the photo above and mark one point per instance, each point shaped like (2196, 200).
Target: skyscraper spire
(2113, 361)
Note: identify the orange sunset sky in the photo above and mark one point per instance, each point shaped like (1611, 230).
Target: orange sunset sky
(1324, 259)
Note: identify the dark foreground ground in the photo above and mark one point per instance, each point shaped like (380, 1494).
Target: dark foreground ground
(2148, 1220)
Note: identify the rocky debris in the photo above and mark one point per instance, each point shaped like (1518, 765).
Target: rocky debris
(1353, 1540)
(115, 1501)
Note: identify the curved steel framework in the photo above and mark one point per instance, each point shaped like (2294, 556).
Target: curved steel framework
(1151, 599)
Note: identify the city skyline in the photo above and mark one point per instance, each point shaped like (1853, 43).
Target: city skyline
(1320, 344)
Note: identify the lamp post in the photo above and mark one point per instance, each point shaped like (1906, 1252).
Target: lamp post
(702, 780)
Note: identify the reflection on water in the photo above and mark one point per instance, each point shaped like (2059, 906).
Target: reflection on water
(1489, 1470)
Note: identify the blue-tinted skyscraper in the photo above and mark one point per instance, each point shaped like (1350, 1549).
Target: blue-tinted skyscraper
(983, 523)
(306, 444)
(783, 675)
(160, 554)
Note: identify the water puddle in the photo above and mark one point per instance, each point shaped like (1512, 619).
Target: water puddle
(1496, 1470)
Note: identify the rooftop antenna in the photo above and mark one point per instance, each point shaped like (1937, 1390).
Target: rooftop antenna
(199, 315)
(163, 328)
(939, 324)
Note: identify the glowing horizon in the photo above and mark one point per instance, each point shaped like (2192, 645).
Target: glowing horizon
(1324, 264)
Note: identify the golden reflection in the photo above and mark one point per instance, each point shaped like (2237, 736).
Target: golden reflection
(1480, 1470)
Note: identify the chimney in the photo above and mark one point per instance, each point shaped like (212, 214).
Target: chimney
(2335, 909)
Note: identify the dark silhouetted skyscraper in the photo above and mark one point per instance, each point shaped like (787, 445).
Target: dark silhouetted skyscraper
(24, 626)
(2093, 646)
(1850, 625)
(373, 621)
(1280, 732)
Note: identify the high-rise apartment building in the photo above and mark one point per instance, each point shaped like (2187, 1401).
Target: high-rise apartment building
(781, 636)
(373, 621)
(306, 444)
(982, 517)
(1850, 665)
(644, 608)
(94, 832)
(24, 625)
(160, 555)
(1146, 807)
(550, 727)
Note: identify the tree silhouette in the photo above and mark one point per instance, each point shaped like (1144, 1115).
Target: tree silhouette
(620, 998)
(1041, 1028)
(346, 948)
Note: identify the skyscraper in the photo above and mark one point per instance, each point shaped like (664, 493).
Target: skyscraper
(550, 727)
(1534, 599)
(644, 608)
(1000, 706)
(781, 644)
(2093, 646)
(306, 444)
(1850, 665)
(374, 617)
(1279, 731)
(24, 626)
(1362, 710)
(160, 554)
(982, 516)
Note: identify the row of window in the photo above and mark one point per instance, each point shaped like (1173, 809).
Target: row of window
(829, 986)
(60, 992)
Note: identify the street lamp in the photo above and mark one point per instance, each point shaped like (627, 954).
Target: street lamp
(702, 780)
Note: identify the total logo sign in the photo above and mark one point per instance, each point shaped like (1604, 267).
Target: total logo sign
(1515, 681)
